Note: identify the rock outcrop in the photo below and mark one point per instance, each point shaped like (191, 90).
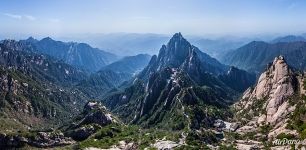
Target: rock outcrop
(41, 140)
(269, 102)
(94, 117)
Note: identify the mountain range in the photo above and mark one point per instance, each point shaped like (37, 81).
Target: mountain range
(181, 98)
(122, 44)
(36, 89)
(254, 56)
(77, 54)
(289, 38)
(131, 65)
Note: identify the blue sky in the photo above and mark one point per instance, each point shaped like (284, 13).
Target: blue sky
(195, 17)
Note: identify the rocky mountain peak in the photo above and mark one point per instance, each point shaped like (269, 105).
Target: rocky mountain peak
(268, 102)
(11, 45)
(31, 40)
(276, 73)
(175, 52)
(47, 39)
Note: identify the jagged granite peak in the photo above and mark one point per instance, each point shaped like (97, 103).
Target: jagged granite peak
(202, 68)
(268, 102)
(177, 81)
(177, 54)
(276, 73)
(176, 51)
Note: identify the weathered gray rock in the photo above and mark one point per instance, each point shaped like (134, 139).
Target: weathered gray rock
(96, 113)
(50, 139)
(275, 85)
(94, 116)
(82, 133)
(268, 102)
(42, 140)
(165, 145)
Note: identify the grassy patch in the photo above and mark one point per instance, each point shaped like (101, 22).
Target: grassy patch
(113, 134)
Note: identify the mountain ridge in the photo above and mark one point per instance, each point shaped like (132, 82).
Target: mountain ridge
(77, 54)
(254, 56)
(35, 88)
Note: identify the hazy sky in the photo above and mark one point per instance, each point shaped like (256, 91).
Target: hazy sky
(220, 17)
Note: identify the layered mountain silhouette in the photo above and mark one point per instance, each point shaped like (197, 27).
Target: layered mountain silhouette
(289, 38)
(180, 98)
(77, 54)
(130, 65)
(254, 56)
(112, 76)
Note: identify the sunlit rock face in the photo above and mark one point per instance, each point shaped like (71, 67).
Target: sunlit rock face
(271, 95)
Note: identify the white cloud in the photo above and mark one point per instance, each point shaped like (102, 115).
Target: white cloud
(16, 16)
(29, 17)
(12, 15)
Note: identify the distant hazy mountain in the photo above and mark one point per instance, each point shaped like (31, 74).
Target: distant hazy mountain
(255, 55)
(289, 38)
(124, 44)
(218, 47)
(113, 75)
(129, 64)
(77, 54)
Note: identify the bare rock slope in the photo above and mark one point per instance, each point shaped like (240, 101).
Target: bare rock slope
(271, 101)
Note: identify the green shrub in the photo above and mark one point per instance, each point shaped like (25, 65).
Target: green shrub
(284, 135)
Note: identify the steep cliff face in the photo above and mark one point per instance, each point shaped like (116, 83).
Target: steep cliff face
(271, 101)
